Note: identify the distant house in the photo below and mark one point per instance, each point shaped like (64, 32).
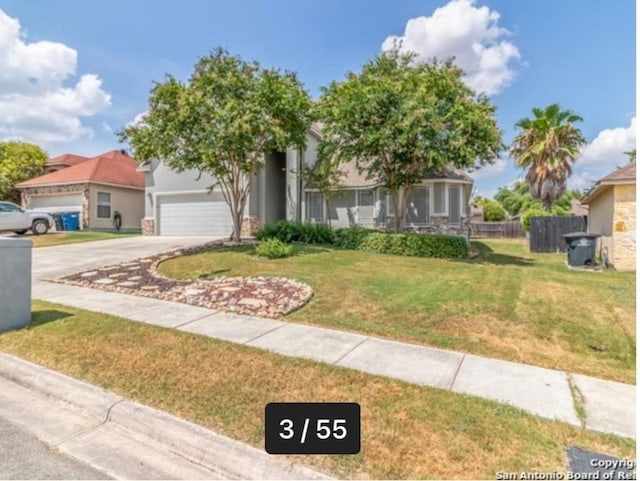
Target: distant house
(578, 209)
(182, 203)
(612, 213)
(94, 187)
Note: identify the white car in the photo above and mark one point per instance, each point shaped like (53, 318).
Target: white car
(14, 218)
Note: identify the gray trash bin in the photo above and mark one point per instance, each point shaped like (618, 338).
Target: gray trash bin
(581, 248)
(15, 283)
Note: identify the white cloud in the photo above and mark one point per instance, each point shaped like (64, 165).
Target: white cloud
(469, 33)
(138, 119)
(608, 149)
(489, 171)
(35, 103)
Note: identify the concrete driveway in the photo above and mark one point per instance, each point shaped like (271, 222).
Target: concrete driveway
(56, 261)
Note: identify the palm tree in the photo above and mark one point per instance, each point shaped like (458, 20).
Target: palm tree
(548, 144)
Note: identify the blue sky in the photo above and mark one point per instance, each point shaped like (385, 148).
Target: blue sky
(72, 73)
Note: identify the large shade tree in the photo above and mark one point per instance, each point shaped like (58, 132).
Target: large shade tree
(547, 145)
(222, 122)
(399, 120)
(19, 161)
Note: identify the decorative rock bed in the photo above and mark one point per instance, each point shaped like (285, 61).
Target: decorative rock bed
(259, 296)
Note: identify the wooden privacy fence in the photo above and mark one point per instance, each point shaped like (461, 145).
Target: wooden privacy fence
(545, 233)
(497, 229)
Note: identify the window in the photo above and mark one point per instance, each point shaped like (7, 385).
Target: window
(10, 207)
(365, 206)
(418, 207)
(439, 206)
(104, 205)
(454, 204)
(316, 207)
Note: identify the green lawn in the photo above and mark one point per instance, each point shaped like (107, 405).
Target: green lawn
(58, 238)
(506, 303)
(408, 431)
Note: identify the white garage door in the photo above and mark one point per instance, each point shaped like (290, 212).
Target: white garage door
(56, 203)
(194, 214)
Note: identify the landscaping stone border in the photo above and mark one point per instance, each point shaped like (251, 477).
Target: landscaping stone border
(259, 296)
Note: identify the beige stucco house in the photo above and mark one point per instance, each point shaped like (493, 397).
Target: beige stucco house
(181, 203)
(96, 188)
(612, 213)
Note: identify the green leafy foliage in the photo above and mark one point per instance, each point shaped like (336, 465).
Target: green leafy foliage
(19, 161)
(222, 122)
(492, 209)
(273, 248)
(351, 237)
(534, 212)
(401, 119)
(304, 232)
(517, 199)
(417, 245)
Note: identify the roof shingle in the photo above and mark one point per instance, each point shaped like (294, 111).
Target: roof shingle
(109, 168)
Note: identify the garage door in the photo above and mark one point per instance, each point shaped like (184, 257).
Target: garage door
(56, 203)
(194, 214)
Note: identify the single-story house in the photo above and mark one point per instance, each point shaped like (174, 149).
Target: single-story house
(612, 213)
(181, 204)
(95, 188)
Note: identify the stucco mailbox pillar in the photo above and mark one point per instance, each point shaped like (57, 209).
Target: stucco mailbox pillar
(15, 283)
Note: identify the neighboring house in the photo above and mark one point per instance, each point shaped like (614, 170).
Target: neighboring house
(477, 213)
(612, 213)
(181, 204)
(578, 209)
(95, 187)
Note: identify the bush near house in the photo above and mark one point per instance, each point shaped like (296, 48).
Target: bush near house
(273, 249)
(304, 232)
(360, 238)
(417, 245)
(351, 237)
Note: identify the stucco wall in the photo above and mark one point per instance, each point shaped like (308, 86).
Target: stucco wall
(128, 202)
(162, 179)
(624, 227)
(599, 221)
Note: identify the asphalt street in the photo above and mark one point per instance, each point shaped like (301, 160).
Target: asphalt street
(22, 456)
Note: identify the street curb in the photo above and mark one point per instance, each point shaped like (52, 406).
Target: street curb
(199, 446)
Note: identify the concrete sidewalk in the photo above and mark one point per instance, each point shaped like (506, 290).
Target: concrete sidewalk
(123, 439)
(609, 406)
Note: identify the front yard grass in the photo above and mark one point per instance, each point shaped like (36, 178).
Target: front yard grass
(59, 238)
(506, 303)
(408, 431)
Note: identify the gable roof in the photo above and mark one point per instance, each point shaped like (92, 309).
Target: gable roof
(623, 175)
(109, 168)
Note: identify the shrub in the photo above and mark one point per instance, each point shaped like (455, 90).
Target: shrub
(350, 237)
(535, 212)
(287, 231)
(418, 245)
(273, 249)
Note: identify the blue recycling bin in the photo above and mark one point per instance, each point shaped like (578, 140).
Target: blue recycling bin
(70, 221)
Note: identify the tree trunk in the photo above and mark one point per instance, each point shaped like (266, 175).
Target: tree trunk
(326, 208)
(399, 197)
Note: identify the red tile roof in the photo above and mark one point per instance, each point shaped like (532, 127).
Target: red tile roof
(66, 159)
(109, 168)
